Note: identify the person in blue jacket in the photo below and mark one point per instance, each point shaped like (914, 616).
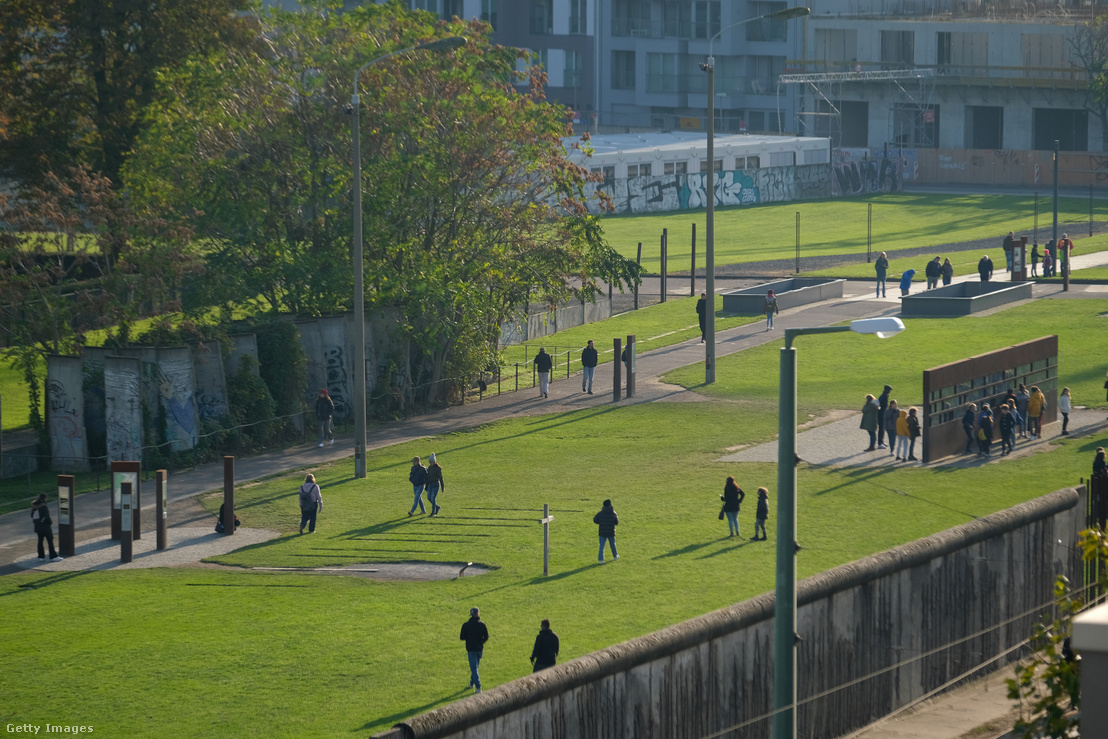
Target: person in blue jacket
(906, 281)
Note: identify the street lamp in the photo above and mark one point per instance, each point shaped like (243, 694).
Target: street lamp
(710, 218)
(358, 362)
(784, 634)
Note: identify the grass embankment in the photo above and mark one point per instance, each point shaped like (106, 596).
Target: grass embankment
(244, 653)
(833, 227)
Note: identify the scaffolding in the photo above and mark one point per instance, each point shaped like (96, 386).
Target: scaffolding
(819, 113)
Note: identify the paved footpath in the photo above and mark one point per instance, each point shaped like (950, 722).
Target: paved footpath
(837, 442)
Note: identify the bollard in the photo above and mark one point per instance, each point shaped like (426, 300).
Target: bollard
(229, 496)
(126, 550)
(630, 365)
(616, 368)
(161, 513)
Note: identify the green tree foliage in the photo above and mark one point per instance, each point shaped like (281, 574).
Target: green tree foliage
(1090, 48)
(470, 206)
(1047, 687)
(75, 75)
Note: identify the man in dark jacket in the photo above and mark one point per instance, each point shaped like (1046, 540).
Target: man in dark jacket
(588, 364)
(883, 403)
(607, 520)
(418, 478)
(543, 365)
(933, 272)
(702, 315)
(985, 268)
(324, 409)
(474, 634)
(545, 652)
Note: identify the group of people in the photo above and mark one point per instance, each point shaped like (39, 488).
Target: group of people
(1052, 253)
(937, 269)
(427, 478)
(732, 498)
(1019, 415)
(883, 416)
(475, 633)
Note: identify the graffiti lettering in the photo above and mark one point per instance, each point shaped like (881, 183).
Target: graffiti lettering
(336, 376)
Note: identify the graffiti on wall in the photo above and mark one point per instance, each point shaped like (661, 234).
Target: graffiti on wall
(334, 362)
(175, 390)
(733, 187)
(67, 427)
(123, 409)
(866, 176)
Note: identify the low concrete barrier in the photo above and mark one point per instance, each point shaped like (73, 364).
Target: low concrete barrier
(877, 634)
(790, 293)
(963, 298)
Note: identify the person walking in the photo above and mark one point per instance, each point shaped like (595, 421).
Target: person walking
(1023, 399)
(985, 268)
(543, 365)
(969, 423)
(474, 633)
(418, 478)
(732, 498)
(771, 309)
(906, 281)
(607, 520)
(913, 433)
(588, 367)
(871, 410)
(933, 272)
(761, 514)
(434, 484)
(702, 315)
(44, 526)
(1065, 407)
(311, 503)
(892, 413)
(324, 411)
(881, 266)
(902, 436)
(1034, 260)
(1009, 244)
(947, 271)
(545, 652)
(1035, 408)
(883, 405)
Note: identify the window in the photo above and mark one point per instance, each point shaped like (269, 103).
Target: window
(705, 18)
(661, 72)
(764, 71)
(609, 172)
(897, 49)
(782, 158)
(675, 19)
(452, 8)
(1047, 51)
(838, 47)
(572, 73)
(578, 16)
(766, 29)
(623, 70)
(984, 127)
(631, 18)
(957, 51)
(746, 162)
(704, 165)
(1070, 127)
(675, 168)
(915, 125)
(542, 17)
(488, 11)
(638, 170)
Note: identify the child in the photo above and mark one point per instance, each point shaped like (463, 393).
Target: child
(762, 514)
(913, 434)
(902, 436)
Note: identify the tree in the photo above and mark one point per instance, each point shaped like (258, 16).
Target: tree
(471, 207)
(1047, 687)
(1090, 47)
(76, 75)
(75, 257)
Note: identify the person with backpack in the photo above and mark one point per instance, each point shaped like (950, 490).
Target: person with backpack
(44, 526)
(771, 309)
(311, 503)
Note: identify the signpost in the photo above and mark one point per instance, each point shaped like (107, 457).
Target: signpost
(66, 524)
(126, 553)
(161, 514)
(546, 519)
(124, 472)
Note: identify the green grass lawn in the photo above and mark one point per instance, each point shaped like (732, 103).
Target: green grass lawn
(836, 226)
(241, 653)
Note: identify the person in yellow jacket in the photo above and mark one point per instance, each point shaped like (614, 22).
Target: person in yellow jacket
(1035, 408)
(903, 436)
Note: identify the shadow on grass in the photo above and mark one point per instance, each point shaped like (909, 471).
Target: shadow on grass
(386, 722)
(240, 585)
(562, 575)
(742, 543)
(685, 550)
(45, 582)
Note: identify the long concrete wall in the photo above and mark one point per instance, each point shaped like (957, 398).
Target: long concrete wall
(910, 619)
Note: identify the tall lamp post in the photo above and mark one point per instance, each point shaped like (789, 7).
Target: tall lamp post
(709, 188)
(784, 632)
(358, 362)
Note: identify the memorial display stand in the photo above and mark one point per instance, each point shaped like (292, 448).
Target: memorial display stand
(66, 516)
